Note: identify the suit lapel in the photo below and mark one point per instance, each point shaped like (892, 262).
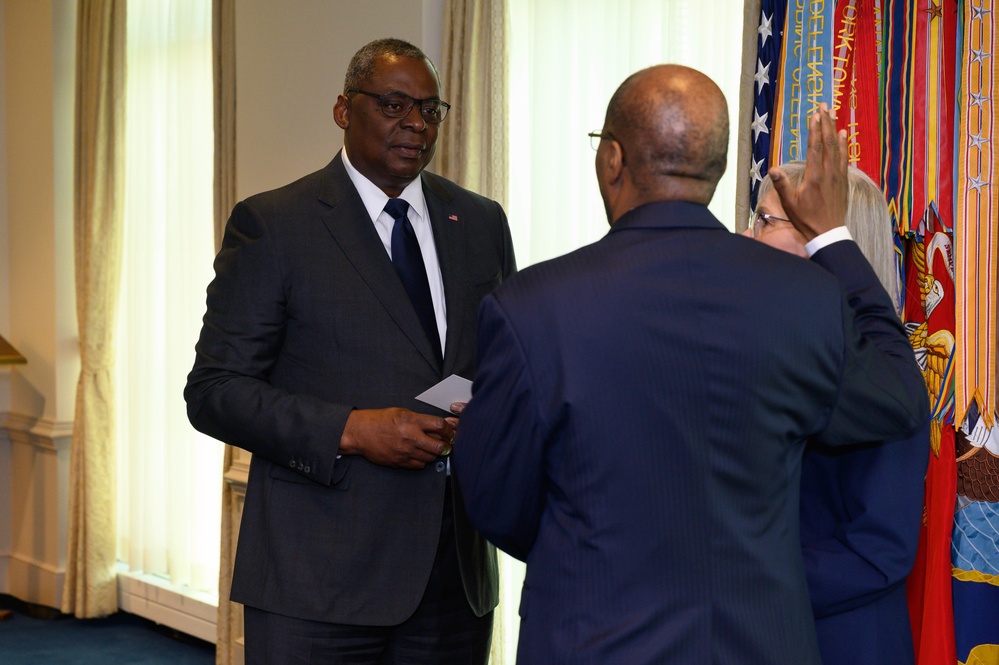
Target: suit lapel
(347, 221)
(449, 238)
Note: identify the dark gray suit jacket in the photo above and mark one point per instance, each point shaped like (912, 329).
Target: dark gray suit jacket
(307, 320)
(636, 433)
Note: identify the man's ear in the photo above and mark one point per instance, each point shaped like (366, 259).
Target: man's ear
(614, 162)
(341, 112)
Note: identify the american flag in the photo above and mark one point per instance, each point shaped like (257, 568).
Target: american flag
(768, 50)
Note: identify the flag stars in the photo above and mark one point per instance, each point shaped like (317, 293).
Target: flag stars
(762, 75)
(978, 183)
(979, 11)
(766, 28)
(754, 172)
(977, 141)
(759, 124)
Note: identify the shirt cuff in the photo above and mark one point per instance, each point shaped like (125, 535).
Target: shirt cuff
(826, 239)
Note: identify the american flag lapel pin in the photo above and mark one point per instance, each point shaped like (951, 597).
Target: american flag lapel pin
(453, 218)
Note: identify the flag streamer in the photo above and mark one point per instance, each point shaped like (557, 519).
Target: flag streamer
(912, 83)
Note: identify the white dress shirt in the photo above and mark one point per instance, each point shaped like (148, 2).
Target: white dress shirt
(827, 238)
(374, 200)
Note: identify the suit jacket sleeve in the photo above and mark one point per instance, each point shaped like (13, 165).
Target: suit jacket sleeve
(864, 505)
(874, 528)
(882, 393)
(507, 461)
(229, 395)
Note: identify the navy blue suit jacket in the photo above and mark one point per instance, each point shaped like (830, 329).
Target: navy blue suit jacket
(640, 411)
(860, 516)
(306, 320)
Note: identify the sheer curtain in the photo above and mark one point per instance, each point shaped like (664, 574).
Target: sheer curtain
(566, 59)
(169, 475)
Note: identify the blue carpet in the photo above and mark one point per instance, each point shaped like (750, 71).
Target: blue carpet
(121, 639)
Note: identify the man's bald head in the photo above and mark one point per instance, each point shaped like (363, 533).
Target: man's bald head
(672, 124)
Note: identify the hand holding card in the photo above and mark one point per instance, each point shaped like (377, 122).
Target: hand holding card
(452, 389)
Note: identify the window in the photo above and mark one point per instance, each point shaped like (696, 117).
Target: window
(566, 59)
(169, 475)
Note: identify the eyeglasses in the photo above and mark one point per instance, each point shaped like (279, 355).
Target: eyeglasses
(760, 220)
(596, 137)
(398, 105)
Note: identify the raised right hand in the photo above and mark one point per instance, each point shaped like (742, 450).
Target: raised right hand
(820, 203)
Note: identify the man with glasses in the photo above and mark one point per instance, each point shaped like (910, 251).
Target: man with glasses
(641, 405)
(337, 300)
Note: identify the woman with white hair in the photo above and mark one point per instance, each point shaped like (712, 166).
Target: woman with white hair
(860, 507)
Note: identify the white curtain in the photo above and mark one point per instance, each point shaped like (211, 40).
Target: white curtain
(566, 59)
(169, 475)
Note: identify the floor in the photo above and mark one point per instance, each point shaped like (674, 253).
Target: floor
(36, 636)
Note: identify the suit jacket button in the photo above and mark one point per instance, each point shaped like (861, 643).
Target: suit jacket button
(292, 464)
(308, 469)
(300, 466)
(439, 465)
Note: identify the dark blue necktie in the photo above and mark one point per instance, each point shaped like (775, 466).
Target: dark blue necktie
(408, 261)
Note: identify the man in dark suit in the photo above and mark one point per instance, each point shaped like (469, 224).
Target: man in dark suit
(641, 405)
(337, 299)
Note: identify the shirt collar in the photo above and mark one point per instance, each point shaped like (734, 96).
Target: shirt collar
(374, 198)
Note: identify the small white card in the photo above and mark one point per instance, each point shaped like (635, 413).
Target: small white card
(452, 389)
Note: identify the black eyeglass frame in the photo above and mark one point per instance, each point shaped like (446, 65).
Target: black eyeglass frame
(600, 136)
(762, 219)
(382, 99)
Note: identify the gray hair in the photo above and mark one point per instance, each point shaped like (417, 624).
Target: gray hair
(867, 219)
(363, 63)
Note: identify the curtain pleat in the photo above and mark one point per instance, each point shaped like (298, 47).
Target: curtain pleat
(473, 147)
(224, 66)
(91, 587)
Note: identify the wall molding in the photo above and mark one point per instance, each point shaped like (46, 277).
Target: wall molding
(35, 457)
(39, 432)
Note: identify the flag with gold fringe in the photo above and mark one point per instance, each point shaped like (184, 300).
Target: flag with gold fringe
(918, 132)
(975, 542)
(912, 82)
(928, 313)
(806, 66)
(856, 81)
(769, 43)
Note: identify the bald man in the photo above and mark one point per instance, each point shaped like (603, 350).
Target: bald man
(641, 405)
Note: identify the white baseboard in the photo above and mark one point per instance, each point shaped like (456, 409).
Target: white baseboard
(178, 607)
(32, 581)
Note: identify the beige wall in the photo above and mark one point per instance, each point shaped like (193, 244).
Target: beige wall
(290, 60)
(38, 305)
(41, 305)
